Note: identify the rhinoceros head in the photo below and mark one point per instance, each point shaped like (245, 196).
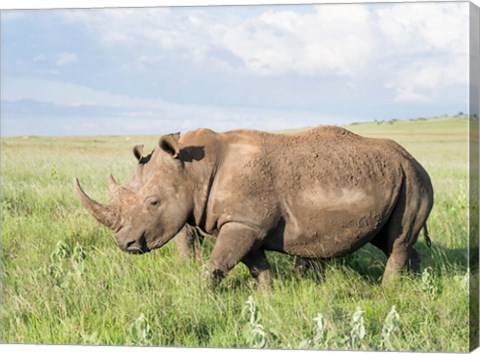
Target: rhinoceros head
(150, 210)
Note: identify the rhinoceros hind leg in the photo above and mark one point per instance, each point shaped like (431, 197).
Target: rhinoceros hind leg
(303, 265)
(414, 261)
(259, 268)
(396, 263)
(401, 260)
(399, 248)
(401, 231)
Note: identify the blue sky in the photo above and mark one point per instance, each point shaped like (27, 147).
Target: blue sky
(160, 70)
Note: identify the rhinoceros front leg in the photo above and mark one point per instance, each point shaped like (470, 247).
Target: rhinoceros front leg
(234, 242)
(188, 243)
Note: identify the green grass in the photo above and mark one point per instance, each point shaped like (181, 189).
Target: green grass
(65, 281)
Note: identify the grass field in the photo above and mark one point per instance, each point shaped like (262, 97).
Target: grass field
(64, 281)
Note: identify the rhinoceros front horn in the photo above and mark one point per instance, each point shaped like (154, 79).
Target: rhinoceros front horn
(104, 214)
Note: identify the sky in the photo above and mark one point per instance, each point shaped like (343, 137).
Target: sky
(162, 70)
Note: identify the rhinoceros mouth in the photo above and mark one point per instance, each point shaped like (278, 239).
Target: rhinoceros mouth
(138, 246)
(134, 250)
(160, 243)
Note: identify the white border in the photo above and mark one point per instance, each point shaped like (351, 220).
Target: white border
(53, 4)
(70, 4)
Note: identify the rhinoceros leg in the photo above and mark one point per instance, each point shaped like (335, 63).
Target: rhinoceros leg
(188, 243)
(259, 268)
(399, 260)
(303, 264)
(234, 242)
(400, 234)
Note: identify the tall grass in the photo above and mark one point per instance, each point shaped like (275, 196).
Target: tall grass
(64, 280)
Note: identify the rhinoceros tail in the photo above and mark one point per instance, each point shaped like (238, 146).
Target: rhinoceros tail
(427, 236)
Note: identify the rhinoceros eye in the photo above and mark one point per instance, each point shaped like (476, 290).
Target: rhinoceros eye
(152, 201)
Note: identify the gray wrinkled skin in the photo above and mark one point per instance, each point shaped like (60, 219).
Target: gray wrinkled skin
(322, 193)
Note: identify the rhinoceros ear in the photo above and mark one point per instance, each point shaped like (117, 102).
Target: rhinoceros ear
(169, 144)
(138, 151)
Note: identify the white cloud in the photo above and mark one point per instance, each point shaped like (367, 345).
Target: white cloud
(330, 40)
(429, 47)
(417, 48)
(421, 82)
(66, 58)
(425, 27)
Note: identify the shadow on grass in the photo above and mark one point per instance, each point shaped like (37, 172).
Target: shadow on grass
(369, 263)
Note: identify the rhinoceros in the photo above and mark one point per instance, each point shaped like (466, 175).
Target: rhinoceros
(317, 194)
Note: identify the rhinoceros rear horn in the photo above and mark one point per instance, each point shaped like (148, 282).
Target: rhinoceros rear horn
(104, 214)
(117, 191)
(112, 184)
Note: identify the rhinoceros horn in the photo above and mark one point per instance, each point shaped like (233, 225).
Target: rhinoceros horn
(117, 192)
(105, 214)
(112, 185)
